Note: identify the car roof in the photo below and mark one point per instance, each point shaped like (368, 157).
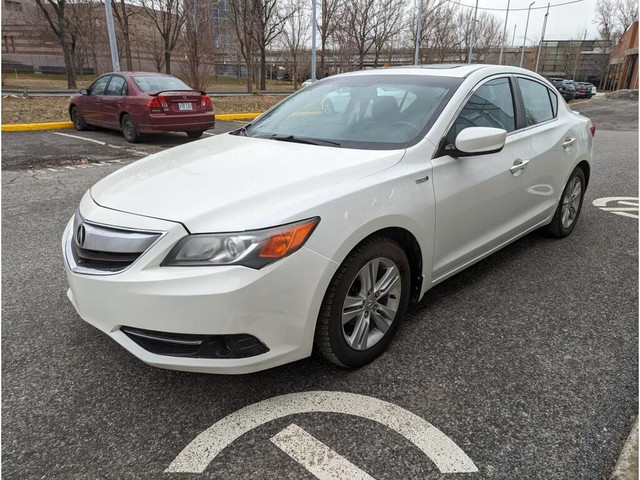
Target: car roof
(443, 70)
(140, 74)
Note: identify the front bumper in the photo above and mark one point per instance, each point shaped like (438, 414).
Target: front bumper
(277, 304)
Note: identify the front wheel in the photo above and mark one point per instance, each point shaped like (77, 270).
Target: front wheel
(129, 129)
(195, 133)
(570, 205)
(364, 304)
(77, 119)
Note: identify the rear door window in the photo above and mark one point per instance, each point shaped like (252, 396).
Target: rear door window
(537, 103)
(117, 86)
(99, 85)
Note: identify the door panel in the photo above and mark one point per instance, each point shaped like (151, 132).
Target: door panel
(112, 102)
(93, 113)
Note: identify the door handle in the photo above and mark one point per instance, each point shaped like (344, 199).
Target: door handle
(568, 142)
(518, 166)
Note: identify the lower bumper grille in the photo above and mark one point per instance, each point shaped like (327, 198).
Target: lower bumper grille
(196, 346)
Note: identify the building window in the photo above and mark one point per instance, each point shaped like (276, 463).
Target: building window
(13, 6)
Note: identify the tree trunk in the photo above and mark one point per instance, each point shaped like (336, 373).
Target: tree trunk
(322, 55)
(68, 60)
(167, 60)
(249, 79)
(263, 68)
(127, 44)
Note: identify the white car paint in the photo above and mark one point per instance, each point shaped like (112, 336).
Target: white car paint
(232, 183)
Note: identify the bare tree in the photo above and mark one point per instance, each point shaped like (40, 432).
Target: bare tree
(168, 17)
(240, 15)
(626, 12)
(197, 46)
(488, 35)
(122, 14)
(268, 24)
(55, 13)
(295, 35)
(358, 22)
(327, 27)
(388, 23)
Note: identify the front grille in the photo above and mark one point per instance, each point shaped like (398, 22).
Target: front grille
(196, 346)
(98, 249)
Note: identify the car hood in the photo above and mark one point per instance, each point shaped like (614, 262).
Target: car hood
(232, 183)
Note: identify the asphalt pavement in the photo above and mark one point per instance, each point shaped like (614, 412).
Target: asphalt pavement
(528, 360)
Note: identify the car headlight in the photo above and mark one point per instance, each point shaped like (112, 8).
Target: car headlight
(253, 249)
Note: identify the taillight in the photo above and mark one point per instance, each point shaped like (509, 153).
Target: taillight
(157, 104)
(205, 102)
(592, 127)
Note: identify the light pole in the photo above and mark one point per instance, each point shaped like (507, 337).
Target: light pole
(524, 42)
(473, 32)
(313, 41)
(418, 33)
(544, 27)
(504, 33)
(112, 37)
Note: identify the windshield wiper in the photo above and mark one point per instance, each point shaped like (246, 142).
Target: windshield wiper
(305, 140)
(241, 131)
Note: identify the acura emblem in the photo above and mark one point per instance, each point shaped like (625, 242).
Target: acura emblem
(80, 235)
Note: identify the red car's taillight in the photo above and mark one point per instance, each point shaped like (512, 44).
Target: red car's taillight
(205, 102)
(592, 127)
(157, 104)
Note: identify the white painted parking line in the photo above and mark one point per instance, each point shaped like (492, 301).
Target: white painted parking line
(443, 452)
(623, 206)
(315, 456)
(104, 144)
(79, 137)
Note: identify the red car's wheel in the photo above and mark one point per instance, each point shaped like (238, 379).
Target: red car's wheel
(129, 129)
(195, 133)
(77, 119)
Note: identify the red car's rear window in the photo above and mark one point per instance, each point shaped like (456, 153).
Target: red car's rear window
(158, 84)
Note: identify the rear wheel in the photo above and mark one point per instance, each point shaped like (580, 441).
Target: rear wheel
(364, 304)
(77, 119)
(195, 133)
(570, 205)
(129, 129)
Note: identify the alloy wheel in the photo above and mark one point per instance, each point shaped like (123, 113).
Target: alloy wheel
(371, 304)
(571, 202)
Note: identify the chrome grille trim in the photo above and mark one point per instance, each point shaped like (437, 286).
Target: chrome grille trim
(108, 249)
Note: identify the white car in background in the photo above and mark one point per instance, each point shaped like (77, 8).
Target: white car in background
(244, 251)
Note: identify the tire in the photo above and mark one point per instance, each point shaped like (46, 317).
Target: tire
(569, 207)
(327, 107)
(340, 343)
(77, 119)
(195, 133)
(129, 129)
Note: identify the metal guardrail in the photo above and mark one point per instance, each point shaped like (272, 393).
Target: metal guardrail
(71, 93)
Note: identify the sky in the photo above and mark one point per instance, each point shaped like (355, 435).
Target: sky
(564, 22)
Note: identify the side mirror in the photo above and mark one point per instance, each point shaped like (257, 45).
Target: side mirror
(84, 91)
(480, 140)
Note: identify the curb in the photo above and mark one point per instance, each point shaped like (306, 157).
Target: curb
(25, 127)
(627, 465)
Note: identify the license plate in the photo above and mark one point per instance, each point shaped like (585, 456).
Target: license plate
(185, 106)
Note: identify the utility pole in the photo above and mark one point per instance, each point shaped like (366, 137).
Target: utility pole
(473, 32)
(416, 56)
(504, 33)
(112, 37)
(313, 41)
(524, 42)
(513, 39)
(544, 28)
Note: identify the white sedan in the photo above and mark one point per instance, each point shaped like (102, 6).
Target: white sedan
(303, 230)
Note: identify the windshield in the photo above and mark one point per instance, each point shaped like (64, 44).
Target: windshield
(159, 84)
(360, 111)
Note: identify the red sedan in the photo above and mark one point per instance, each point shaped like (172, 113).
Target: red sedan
(140, 102)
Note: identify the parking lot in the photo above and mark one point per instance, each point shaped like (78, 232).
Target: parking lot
(527, 361)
